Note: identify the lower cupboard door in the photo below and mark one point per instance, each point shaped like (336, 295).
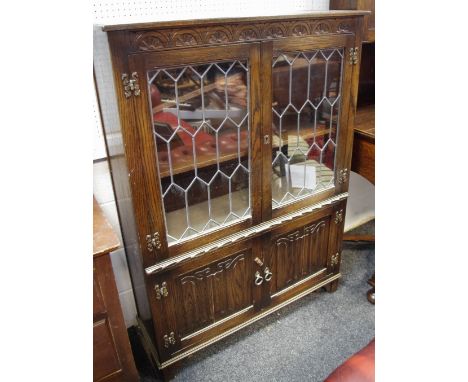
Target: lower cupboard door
(298, 257)
(207, 296)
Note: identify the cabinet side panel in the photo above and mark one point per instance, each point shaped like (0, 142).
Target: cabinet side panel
(118, 166)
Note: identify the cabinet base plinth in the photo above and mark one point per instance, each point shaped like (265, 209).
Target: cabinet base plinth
(174, 364)
(332, 287)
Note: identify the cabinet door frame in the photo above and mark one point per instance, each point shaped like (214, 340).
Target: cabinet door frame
(140, 63)
(344, 139)
(167, 308)
(332, 242)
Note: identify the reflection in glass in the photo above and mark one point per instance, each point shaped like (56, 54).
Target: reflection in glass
(305, 116)
(201, 133)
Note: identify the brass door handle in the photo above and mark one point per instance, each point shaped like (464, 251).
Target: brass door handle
(268, 274)
(258, 278)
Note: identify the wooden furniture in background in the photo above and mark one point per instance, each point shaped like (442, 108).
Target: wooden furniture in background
(112, 354)
(363, 161)
(194, 284)
(369, 20)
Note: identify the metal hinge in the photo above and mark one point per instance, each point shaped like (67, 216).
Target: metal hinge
(353, 56)
(153, 242)
(343, 176)
(335, 259)
(131, 85)
(161, 291)
(339, 216)
(169, 339)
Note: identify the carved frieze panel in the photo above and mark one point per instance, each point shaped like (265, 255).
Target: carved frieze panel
(299, 254)
(213, 292)
(222, 34)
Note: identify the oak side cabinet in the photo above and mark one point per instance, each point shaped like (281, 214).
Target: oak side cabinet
(112, 354)
(230, 145)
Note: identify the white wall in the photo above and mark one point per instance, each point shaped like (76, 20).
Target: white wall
(104, 194)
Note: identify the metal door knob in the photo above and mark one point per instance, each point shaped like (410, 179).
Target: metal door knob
(268, 274)
(258, 278)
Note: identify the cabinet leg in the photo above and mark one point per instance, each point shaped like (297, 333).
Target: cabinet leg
(169, 372)
(332, 287)
(371, 292)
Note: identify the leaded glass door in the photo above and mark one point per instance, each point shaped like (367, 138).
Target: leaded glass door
(198, 138)
(307, 119)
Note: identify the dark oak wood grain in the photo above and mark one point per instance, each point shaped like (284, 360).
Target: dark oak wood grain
(194, 301)
(369, 19)
(233, 20)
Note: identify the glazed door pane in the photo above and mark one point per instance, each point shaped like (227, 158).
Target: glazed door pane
(307, 94)
(201, 135)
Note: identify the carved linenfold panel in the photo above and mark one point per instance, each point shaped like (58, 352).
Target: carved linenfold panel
(222, 34)
(299, 254)
(214, 292)
(286, 252)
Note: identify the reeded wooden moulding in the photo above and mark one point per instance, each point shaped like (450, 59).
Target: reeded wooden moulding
(251, 232)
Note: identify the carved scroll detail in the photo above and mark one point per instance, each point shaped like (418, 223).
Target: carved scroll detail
(210, 272)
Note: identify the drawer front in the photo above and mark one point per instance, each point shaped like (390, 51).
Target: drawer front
(205, 297)
(99, 308)
(112, 354)
(105, 357)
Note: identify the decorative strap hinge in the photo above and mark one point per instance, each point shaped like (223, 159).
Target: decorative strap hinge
(131, 86)
(161, 291)
(335, 259)
(153, 242)
(343, 176)
(169, 339)
(353, 56)
(339, 217)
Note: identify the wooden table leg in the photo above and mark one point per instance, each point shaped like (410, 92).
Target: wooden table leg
(169, 372)
(371, 281)
(371, 292)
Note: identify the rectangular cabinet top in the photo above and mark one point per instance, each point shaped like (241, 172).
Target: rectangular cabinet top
(232, 20)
